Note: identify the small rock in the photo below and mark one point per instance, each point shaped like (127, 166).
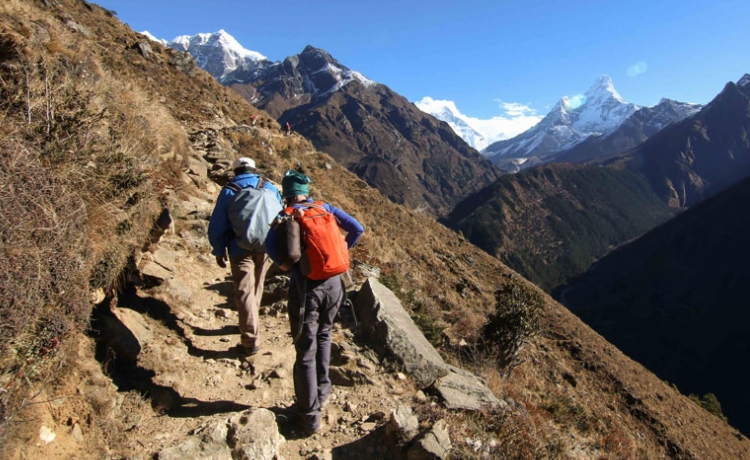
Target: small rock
(46, 434)
(279, 373)
(77, 433)
(367, 427)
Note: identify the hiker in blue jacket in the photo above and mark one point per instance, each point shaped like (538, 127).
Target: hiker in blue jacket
(248, 268)
(312, 307)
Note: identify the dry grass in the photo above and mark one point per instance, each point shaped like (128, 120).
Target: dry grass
(83, 159)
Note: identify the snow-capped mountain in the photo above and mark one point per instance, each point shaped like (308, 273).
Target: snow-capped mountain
(568, 123)
(221, 55)
(313, 72)
(643, 124)
(447, 112)
(153, 38)
(375, 133)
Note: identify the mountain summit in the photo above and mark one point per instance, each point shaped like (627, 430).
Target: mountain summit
(600, 111)
(222, 56)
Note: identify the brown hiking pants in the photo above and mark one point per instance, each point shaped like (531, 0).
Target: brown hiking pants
(248, 275)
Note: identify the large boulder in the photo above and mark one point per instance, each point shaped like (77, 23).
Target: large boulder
(389, 330)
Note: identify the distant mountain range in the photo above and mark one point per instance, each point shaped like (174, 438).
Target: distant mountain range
(642, 124)
(600, 114)
(413, 158)
(551, 222)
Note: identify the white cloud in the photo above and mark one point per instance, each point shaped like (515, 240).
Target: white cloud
(516, 109)
(637, 69)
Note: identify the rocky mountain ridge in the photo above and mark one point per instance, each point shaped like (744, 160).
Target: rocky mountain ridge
(410, 156)
(689, 161)
(637, 128)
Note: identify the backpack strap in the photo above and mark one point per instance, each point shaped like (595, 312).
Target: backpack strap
(233, 187)
(236, 187)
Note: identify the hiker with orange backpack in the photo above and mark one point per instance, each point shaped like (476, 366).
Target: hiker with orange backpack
(316, 290)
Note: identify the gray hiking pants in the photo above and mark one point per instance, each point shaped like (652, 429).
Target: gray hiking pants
(312, 308)
(248, 275)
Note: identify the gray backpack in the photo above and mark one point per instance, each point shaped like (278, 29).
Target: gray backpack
(251, 212)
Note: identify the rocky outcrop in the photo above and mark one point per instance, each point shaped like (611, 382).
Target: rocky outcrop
(460, 389)
(250, 435)
(387, 327)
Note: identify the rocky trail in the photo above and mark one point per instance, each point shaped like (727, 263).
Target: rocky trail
(175, 389)
(187, 325)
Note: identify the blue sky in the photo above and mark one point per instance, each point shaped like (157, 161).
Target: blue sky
(486, 55)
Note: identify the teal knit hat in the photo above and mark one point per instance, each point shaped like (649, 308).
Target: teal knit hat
(295, 183)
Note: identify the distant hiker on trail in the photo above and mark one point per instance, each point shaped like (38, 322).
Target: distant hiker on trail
(238, 227)
(287, 129)
(316, 289)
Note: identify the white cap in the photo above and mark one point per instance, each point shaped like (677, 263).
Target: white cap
(243, 162)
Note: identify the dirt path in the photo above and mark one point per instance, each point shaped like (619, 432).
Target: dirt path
(192, 379)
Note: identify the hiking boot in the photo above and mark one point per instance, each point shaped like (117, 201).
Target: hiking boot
(309, 423)
(245, 352)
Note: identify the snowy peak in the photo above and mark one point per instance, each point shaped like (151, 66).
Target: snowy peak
(448, 112)
(328, 64)
(221, 55)
(153, 38)
(602, 90)
(599, 111)
(744, 81)
(318, 71)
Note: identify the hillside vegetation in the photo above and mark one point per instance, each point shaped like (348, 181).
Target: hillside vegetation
(552, 222)
(676, 300)
(103, 130)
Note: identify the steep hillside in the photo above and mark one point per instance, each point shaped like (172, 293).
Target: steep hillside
(676, 300)
(410, 156)
(104, 131)
(704, 154)
(551, 222)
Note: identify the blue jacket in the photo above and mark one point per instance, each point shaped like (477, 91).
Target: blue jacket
(220, 233)
(347, 223)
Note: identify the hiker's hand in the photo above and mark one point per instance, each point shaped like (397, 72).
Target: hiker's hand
(221, 261)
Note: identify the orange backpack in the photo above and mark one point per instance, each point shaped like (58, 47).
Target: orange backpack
(325, 253)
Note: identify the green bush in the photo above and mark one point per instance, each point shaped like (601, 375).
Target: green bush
(709, 402)
(516, 319)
